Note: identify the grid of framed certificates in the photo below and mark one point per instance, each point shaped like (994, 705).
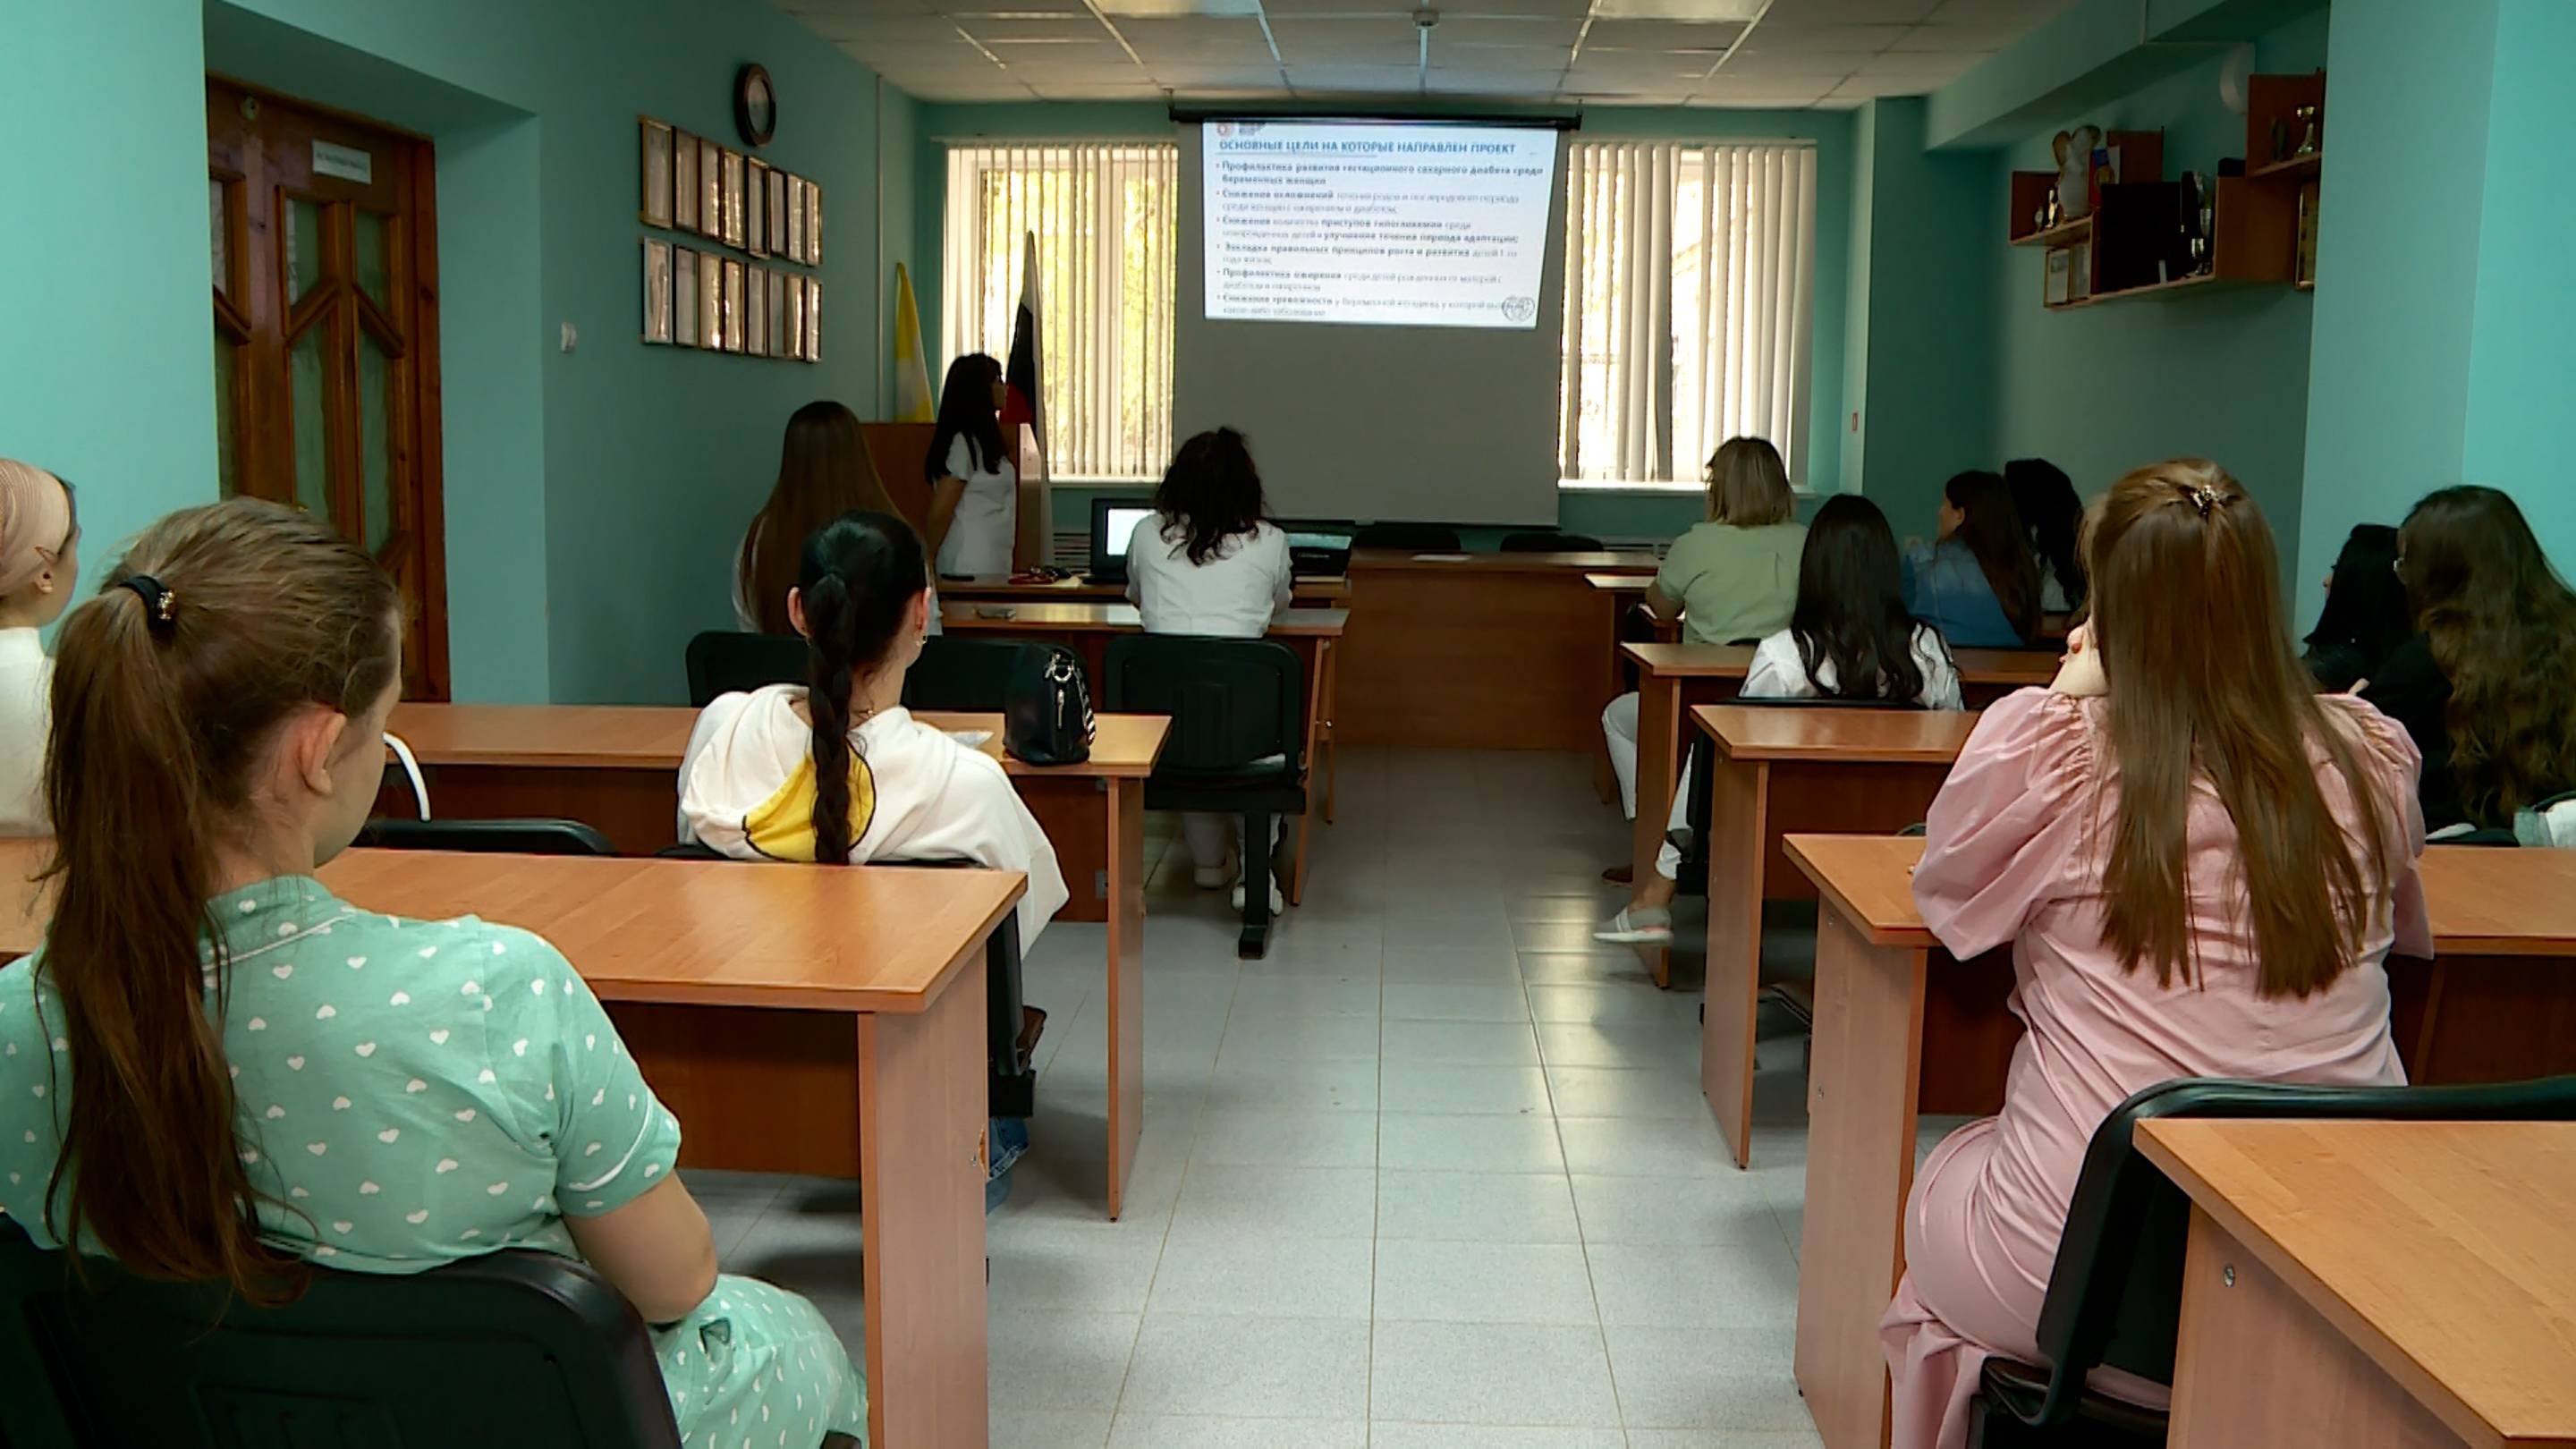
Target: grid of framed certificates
(697, 297)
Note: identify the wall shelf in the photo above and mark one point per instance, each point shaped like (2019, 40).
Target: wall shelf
(2161, 291)
(2065, 233)
(2281, 170)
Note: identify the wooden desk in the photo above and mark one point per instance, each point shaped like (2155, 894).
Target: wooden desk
(2373, 1285)
(1673, 677)
(828, 1019)
(1086, 629)
(1489, 651)
(1895, 1016)
(1617, 597)
(1305, 592)
(618, 767)
(1780, 769)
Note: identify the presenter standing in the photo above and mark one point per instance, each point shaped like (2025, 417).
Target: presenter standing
(974, 489)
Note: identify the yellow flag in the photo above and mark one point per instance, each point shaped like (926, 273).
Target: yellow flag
(911, 374)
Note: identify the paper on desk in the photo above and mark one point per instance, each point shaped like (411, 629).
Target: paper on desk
(1440, 558)
(971, 739)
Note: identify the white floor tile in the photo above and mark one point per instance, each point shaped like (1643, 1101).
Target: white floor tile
(1049, 1428)
(1495, 1091)
(1409, 1000)
(1626, 1092)
(1487, 963)
(1047, 1266)
(1294, 1086)
(1468, 1144)
(1643, 1147)
(1674, 1212)
(1717, 1378)
(1491, 1373)
(1461, 1043)
(1723, 1439)
(1735, 1285)
(1672, 1046)
(1385, 1434)
(1261, 1274)
(1075, 1361)
(1483, 1283)
(1612, 1005)
(1254, 1367)
(1177, 1431)
(1287, 1139)
(1477, 1207)
(1305, 1202)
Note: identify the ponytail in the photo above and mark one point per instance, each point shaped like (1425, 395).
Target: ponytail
(167, 689)
(857, 578)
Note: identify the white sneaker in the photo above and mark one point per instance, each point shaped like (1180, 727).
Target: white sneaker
(1637, 926)
(1278, 898)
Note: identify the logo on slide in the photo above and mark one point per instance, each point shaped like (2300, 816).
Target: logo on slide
(1225, 130)
(1520, 309)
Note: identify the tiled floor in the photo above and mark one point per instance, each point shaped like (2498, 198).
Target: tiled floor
(1436, 1174)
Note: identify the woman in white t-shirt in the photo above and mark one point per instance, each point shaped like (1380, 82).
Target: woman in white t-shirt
(1849, 637)
(974, 489)
(39, 557)
(1208, 562)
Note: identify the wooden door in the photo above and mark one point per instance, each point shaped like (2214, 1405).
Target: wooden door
(324, 249)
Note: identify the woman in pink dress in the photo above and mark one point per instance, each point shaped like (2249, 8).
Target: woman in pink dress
(2200, 865)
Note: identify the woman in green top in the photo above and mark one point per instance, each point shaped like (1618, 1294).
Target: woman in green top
(1731, 580)
(215, 1070)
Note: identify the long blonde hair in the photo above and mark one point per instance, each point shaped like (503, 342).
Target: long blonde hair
(2187, 612)
(1747, 485)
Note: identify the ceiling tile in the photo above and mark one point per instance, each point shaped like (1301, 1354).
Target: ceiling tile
(1084, 91)
(1722, 91)
(954, 53)
(1863, 87)
(1000, 87)
(1823, 39)
(810, 12)
(1384, 40)
(1656, 64)
(1191, 39)
(1365, 79)
(1703, 11)
(1849, 12)
(919, 28)
(1120, 9)
(1516, 30)
(1512, 85)
(1573, 9)
(1628, 90)
(1191, 77)
(1755, 63)
(1336, 9)
(1660, 35)
(1023, 29)
(1500, 57)
(1934, 68)
(1958, 39)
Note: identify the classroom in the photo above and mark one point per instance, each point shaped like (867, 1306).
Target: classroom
(1605, 724)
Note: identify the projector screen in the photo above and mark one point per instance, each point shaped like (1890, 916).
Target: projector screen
(1375, 222)
(1378, 310)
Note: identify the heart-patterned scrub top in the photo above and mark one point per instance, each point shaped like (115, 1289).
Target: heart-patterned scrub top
(413, 1092)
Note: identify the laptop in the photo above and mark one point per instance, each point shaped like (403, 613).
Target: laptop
(1113, 523)
(1315, 552)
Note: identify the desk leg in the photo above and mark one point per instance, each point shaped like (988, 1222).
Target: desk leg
(1332, 666)
(1614, 612)
(1861, 1094)
(1317, 687)
(922, 1101)
(2255, 1366)
(1736, 860)
(1126, 982)
(1659, 713)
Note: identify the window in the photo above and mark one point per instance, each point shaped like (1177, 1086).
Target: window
(1102, 214)
(1689, 305)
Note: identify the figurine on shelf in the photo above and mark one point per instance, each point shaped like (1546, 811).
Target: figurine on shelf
(2308, 116)
(2048, 216)
(2074, 152)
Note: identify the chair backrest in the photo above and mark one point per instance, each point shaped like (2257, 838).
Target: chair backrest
(1422, 537)
(723, 662)
(487, 837)
(966, 675)
(553, 1356)
(1233, 702)
(1550, 541)
(2115, 1293)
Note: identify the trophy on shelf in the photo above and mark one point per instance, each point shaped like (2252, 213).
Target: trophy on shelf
(2193, 223)
(2307, 116)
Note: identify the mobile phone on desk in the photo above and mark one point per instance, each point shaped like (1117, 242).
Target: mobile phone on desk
(996, 611)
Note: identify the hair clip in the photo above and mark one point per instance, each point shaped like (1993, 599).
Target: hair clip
(2203, 497)
(160, 603)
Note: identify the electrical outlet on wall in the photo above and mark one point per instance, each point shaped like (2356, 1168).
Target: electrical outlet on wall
(571, 337)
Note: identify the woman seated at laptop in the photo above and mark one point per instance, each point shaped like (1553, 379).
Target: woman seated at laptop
(1208, 561)
(221, 1072)
(838, 771)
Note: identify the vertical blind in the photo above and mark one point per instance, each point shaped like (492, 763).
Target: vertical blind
(1689, 305)
(1103, 214)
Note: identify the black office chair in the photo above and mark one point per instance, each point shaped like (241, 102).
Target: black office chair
(1237, 744)
(2115, 1293)
(553, 1356)
(1418, 537)
(1550, 541)
(1014, 1091)
(723, 662)
(486, 837)
(965, 675)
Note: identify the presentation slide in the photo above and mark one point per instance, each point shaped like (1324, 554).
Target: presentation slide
(1381, 223)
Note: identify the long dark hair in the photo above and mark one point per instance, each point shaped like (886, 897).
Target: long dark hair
(2045, 498)
(823, 472)
(966, 411)
(2366, 613)
(857, 576)
(1992, 531)
(2228, 702)
(1211, 492)
(159, 720)
(2502, 625)
(1851, 605)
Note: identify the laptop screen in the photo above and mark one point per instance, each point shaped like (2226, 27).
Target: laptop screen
(1117, 526)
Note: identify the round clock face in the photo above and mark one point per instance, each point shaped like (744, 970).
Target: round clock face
(762, 105)
(755, 105)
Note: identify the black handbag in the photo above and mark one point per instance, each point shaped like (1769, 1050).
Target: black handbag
(1046, 708)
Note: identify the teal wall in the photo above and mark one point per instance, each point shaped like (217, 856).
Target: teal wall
(1929, 290)
(590, 495)
(898, 184)
(104, 272)
(1603, 514)
(2522, 389)
(2224, 375)
(2399, 290)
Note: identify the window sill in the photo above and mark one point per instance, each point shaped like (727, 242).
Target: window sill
(1676, 489)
